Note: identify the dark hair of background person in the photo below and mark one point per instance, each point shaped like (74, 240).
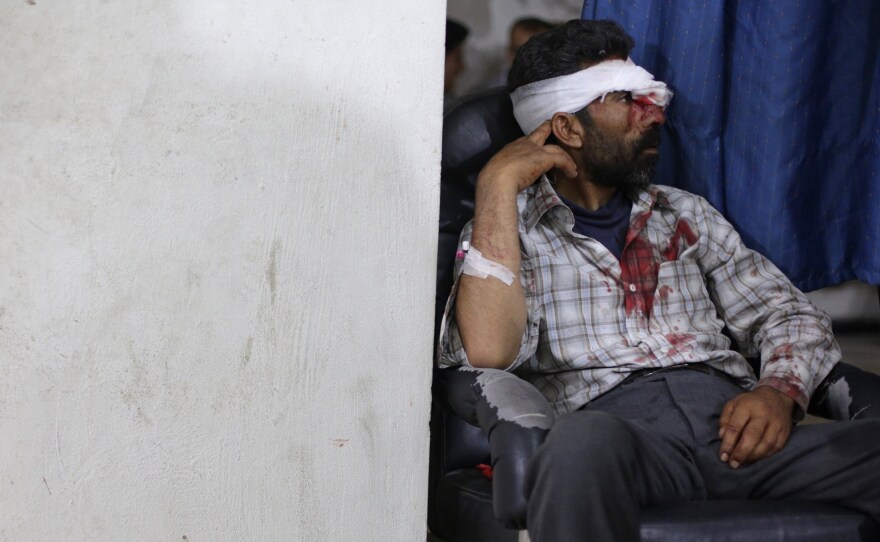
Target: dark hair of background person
(455, 34)
(567, 49)
(521, 31)
(532, 25)
(454, 64)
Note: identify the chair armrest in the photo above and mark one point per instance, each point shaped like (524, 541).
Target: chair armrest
(514, 416)
(847, 393)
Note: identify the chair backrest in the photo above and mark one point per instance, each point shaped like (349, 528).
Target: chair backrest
(474, 129)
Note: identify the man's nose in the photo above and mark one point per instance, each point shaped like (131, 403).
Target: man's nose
(650, 112)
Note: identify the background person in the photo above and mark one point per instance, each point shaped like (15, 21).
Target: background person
(520, 32)
(456, 34)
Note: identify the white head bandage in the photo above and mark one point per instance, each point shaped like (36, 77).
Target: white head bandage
(536, 102)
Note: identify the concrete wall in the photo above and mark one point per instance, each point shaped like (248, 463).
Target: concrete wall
(217, 232)
(850, 302)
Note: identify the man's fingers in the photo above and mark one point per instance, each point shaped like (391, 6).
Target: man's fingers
(781, 439)
(753, 437)
(732, 431)
(540, 134)
(770, 444)
(774, 439)
(726, 412)
(562, 160)
(525, 159)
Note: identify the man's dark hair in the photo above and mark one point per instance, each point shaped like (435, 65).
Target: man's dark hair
(567, 49)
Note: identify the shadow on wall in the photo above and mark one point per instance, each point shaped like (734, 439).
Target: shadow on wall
(210, 269)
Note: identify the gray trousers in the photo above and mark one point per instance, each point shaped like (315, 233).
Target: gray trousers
(654, 439)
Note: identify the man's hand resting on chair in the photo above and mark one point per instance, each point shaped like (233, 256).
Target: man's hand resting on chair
(754, 425)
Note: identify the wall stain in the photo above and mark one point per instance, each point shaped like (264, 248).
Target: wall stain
(362, 393)
(272, 269)
(138, 388)
(246, 354)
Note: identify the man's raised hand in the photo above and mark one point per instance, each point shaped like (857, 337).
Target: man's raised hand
(521, 162)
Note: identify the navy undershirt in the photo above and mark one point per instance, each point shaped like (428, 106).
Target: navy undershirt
(607, 224)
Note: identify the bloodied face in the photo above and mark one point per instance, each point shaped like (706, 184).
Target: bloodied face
(621, 139)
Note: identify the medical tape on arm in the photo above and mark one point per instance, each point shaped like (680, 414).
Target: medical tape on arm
(477, 266)
(539, 101)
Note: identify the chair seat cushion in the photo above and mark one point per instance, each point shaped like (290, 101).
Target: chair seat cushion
(463, 503)
(464, 506)
(756, 521)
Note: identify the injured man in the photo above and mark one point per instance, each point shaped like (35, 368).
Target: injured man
(616, 298)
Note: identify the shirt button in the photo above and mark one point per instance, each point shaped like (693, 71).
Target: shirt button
(632, 287)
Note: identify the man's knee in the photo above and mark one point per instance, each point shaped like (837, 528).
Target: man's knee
(588, 440)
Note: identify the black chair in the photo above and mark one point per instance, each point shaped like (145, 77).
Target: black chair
(465, 505)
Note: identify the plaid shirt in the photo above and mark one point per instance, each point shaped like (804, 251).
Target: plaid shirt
(683, 277)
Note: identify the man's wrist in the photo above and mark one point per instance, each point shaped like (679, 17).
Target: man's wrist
(788, 398)
(499, 185)
(778, 394)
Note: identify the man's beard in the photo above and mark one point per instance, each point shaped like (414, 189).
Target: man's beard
(613, 162)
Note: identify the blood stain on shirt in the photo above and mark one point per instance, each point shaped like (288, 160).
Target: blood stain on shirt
(639, 265)
(663, 292)
(638, 269)
(783, 352)
(683, 232)
(678, 342)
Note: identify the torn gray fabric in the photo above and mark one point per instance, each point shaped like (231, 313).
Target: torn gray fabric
(839, 399)
(514, 399)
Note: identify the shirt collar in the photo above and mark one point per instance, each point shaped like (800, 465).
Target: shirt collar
(543, 197)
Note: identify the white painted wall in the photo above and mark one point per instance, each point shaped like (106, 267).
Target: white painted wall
(217, 242)
(852, 301)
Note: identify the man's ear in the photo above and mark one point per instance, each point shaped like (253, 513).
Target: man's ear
(567, 130)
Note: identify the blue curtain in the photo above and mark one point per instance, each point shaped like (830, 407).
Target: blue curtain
(775, 120)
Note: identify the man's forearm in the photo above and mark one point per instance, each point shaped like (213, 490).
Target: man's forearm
(491, 315)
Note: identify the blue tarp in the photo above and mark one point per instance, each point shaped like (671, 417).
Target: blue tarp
(775, 120)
